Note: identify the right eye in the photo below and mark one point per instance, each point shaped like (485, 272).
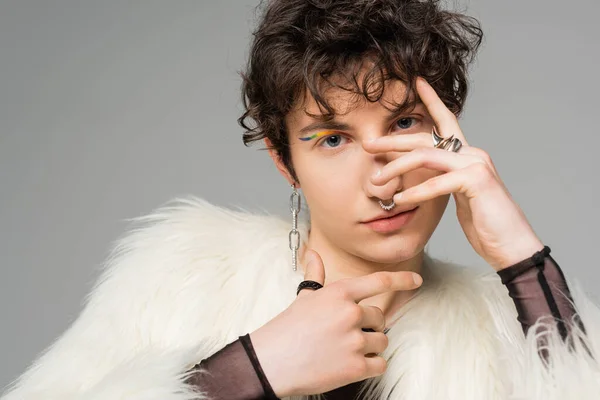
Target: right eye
(332, 141)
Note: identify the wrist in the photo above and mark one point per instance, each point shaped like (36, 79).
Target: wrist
(268, 358)
(518, 252)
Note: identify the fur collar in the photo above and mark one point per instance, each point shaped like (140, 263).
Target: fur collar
(191, 277)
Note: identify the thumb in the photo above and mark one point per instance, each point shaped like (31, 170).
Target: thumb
(314, 269)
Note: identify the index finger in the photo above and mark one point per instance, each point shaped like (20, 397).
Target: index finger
(444, 119)
(403, 143)
(361, 287)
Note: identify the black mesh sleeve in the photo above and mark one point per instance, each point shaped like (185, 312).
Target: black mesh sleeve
(538, 288)
(233, 373)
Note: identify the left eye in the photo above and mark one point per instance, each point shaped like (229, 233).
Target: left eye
(332, 141)
(405, 123)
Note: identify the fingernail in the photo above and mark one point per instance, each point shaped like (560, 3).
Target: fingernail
(377, 173)
(418, 279)
(397, 196)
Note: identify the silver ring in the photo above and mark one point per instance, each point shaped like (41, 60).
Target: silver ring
(387, 207)
(451, 143)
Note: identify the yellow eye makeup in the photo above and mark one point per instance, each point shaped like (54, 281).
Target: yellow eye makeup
(314, 136)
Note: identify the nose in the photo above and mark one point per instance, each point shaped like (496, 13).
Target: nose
(386, 191)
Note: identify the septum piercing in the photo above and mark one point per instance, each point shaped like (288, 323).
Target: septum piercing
(387, 207)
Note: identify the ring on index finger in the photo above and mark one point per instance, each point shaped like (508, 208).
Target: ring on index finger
(451, 143)
(308, 285)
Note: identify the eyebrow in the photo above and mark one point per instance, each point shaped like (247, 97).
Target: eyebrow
(325, 125)
(333, 125)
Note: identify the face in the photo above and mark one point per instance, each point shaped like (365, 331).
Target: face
(334, 173)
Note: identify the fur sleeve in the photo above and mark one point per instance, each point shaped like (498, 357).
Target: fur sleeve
(572, 367)
(146, 321)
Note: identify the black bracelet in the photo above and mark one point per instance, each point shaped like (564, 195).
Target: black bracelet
(247, 343)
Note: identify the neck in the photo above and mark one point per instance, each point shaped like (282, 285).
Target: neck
(340, 264)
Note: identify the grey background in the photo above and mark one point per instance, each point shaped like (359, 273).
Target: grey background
(110, 108)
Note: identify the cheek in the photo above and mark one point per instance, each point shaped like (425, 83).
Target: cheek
(328, 187)
(328, 183)
(328, 174)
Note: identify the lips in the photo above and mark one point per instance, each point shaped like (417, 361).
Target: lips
(390, 215)
(393, 222)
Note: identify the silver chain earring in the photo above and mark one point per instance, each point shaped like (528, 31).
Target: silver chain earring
(294, 236)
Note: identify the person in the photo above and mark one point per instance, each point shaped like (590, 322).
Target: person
(358, 103)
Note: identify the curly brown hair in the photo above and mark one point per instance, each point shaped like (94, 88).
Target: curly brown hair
(301, 45)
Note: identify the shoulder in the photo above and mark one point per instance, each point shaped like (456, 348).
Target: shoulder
(188, 254)
(194, 220)
(179, 277)
(476, 290)
(190, 231)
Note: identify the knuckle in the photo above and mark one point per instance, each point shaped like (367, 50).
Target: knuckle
(433, 183)
(339, 290)
(481, 171)
(360, 341)
(485, 157)
(354, 313)
(358, 368)
(380, 365)
(418, 151)
(380, 316)
(385, 341)
(479, 160)
(421, 152)
(384, 279)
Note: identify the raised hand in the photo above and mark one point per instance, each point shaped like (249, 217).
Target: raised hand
(317, 343)
(492, 221)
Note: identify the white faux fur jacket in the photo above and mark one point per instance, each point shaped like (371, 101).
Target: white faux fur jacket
(191, 277)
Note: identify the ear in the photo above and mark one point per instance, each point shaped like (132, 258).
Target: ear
(278, 163)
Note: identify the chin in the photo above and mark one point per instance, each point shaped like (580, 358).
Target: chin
(392, 249)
